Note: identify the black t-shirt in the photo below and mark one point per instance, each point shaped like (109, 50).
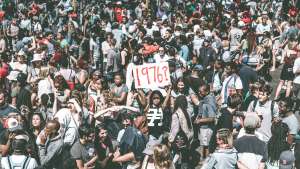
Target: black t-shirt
(225, 120)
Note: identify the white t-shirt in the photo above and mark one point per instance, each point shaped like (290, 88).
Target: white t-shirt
(17, 162)
(235, 38)
(233, 82)
(295, 69)
(159, 59)
(68, 74)
(18, 66)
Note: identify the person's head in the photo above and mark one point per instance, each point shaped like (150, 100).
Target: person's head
(118, 79)
(19, 144)
(101, 133)
(21, 56)
(60, 83)
(168, 34)
(82, 64)
(37, 121)
(224, 138)
(162, 156)
(52, 128)
(141, 123)
(264, 19)
(97, 85)
(96, 75)
(161, 51)
(206, 43)
(204, 90)
(180, 85)
(2, 97)
(74, 105)
(113, 43)
(285, 105)
(231, 68)
(126, 120)
(218, 64)
(234, 101)
(156, 98)
(83, 132)
(45, 99)
(264, 93)
(251, 122)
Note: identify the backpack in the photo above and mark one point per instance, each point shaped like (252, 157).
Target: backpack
(24, 164)
(272, 107)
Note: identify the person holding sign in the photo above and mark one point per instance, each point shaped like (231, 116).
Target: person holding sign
(156, 113)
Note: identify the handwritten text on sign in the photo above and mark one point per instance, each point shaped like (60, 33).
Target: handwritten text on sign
(151, 75)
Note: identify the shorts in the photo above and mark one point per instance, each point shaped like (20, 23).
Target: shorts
(287, 73)
(204, 136)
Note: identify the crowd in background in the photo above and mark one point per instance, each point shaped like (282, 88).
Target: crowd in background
(68, 97)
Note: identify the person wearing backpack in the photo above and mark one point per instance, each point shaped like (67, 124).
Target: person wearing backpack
(268, 108)
(19, 159)
(232, 84)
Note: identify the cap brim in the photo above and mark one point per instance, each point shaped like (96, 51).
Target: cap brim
(147, 151)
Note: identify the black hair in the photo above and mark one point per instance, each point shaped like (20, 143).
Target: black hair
(185, 89)
(277, 142)
(266, 88)
(19, 145)
(43, 121)
(100, 151)
(83, 131)
(44, 99)
(157, 93)
(182, 103)
(234, 101)
(288, 103)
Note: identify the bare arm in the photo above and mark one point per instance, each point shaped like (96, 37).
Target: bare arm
(165, 103)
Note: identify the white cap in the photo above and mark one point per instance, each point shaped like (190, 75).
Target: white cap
(241, 24)
(36, 57)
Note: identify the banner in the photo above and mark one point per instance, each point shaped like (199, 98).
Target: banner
(151, 75)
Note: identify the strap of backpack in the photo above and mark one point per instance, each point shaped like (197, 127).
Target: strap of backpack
(25, 163)
(226, 92)
(272, 108)
(9, 162)
(254, 105)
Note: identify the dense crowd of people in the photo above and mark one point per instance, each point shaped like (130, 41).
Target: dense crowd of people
(69, 97)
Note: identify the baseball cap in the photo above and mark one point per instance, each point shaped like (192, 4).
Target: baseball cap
(286, 160)
(198, 68)
(251, 121)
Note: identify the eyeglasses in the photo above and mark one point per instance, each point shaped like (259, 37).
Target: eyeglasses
(156, 98)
